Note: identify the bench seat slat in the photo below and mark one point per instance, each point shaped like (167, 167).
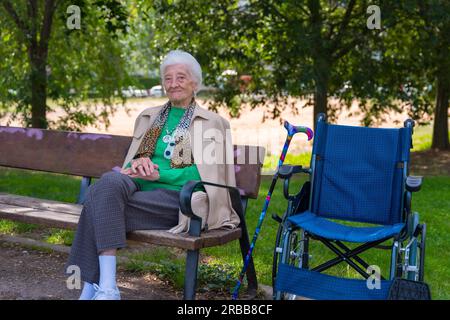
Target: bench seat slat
(42, 204)
(65, 215)
(37, 216)
(207, 239)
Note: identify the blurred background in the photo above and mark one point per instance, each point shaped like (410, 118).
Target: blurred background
(94, 65)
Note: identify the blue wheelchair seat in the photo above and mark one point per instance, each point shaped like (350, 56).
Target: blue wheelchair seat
(331, 230)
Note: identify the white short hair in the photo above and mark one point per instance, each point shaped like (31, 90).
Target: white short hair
(182, 57)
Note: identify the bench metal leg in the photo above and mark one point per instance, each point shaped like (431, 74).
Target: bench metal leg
(85, 183)
(190, 278)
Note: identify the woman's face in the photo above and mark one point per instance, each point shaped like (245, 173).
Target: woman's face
(179, 85)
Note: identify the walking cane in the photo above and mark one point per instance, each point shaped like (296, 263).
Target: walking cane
(292, 130)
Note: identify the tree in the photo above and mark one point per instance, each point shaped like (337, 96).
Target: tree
(435, 45)
(416, 63)
(289, 47)
(316, 49)
(44, 59)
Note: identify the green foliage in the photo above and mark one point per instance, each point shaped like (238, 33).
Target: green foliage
(217, 276)
(314, 49)
(59, 236)
(146, 82)
(288, 47)
(13, 227)
(80, 63)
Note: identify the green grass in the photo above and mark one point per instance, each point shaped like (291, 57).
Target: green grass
(432, 202)
(422, 138)
(224, 262)
(159, 261)
(13, 227)
(214, 275)
(59, 236)
(39, 184)
(271, 161)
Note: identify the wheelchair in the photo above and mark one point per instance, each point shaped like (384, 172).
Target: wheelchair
(358, 197)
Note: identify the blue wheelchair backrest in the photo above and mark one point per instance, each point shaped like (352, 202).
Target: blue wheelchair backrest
(359, 172)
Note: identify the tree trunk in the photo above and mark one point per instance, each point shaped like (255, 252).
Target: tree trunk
(322, 71)
(440, 127)
(38, 79)
(320, 100)
(38, 54)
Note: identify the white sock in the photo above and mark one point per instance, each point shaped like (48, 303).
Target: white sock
(88, 291)
(107, 272)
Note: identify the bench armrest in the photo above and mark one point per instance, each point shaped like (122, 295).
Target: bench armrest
(186, 208)
(413, 183)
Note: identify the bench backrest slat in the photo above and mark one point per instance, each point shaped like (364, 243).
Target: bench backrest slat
(92, 154)
(74, 153)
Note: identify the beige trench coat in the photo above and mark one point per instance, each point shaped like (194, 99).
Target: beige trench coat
(214, 206)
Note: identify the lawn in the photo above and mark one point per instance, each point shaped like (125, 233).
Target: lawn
(224, 263)
(432, 202)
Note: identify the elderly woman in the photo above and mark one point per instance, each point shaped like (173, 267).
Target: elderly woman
(172, 144)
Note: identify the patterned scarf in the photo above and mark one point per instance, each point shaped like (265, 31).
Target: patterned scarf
(182, 155)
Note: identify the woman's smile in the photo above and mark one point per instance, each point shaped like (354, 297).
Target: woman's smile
(179, 85)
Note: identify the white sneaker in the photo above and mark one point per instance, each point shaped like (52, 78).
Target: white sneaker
(106, 294)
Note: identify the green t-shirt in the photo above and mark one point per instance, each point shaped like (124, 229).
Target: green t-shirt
(169, 178)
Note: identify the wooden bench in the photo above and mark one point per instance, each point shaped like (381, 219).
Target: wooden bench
(89, 156)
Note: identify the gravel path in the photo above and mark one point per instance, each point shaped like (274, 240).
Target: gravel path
(31, 274)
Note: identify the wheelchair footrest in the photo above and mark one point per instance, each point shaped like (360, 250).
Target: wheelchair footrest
(315, 285)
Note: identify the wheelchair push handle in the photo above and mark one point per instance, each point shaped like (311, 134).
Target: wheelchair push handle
(295, 129)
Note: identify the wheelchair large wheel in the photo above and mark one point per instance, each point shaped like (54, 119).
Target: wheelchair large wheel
(300, 205)
(278, 249)
(411, 258)
(293, 244)
(422, 253)
(277, 253)
(415, 256)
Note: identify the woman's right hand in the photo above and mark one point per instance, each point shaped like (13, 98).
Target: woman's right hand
(143, 166)
(152, 177)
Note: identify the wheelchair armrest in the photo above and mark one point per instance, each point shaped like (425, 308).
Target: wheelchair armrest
(286, 171)
(413, 183)
(186, 208)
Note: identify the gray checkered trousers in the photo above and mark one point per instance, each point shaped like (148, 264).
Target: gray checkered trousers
(113, 207)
